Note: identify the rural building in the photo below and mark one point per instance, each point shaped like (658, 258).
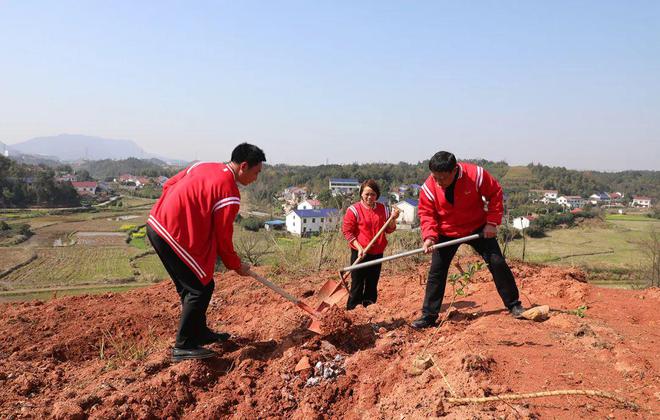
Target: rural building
(85, 187)
(571, 201)
(309, 204)
(274, 225)
(343, 186)
(294, 194)
(640, 201)
(599, 198)
(307, 222)
(545, 196)
(408, 212)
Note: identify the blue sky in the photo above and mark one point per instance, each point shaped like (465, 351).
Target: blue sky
(573, 83)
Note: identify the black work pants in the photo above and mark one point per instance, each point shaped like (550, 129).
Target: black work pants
(195, 297)
(364, 282)
(490, 251)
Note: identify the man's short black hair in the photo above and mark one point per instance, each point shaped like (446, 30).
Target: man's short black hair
(249, 153)
(442, 162)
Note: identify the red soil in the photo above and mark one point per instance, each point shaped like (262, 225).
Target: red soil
(106, 356)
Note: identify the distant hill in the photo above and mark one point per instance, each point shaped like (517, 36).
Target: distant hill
(29, 159)
(72, 147)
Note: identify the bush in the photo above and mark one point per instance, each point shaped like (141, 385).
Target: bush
(4, 226)
(252, 223)
(535, 231)
(507, 233)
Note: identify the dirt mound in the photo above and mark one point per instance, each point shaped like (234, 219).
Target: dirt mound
(107, 356)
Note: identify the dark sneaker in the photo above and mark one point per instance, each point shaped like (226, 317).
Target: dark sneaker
(179, 355)
(516, 311)
(423, 322)
(213, 337)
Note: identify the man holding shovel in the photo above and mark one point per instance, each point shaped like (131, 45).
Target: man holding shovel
(451, 205)
(189, 227)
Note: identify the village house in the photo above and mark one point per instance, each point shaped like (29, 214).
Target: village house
(343, 186)
(309, 204)
(308, 222)
(85, 187)
(408, 212)
(544, 196)
(571, 201)
(599, 198)
(294, 194)
(641, 201)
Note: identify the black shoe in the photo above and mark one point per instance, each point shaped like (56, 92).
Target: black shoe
(517, 310)
(179, 355)
(213, 337)
(423, 322)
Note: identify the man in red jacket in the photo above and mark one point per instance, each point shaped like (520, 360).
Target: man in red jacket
(189, 227)
(451, 205)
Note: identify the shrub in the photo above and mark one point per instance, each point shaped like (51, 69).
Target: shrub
(535, 231)
(251, 223)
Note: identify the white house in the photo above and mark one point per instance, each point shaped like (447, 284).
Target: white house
(599, 198)
(571, 201)
(309, 204)
(294, 194)
(85, 187)
(307, 222)
(546, 196)
(408, 212)
(343, 186)
(640, 201)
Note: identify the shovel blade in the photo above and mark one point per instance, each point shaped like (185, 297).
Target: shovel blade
(315, 326)
(328, 288)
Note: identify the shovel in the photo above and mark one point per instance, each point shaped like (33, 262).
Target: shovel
(333, 291)
(315, 326)
(409, 253)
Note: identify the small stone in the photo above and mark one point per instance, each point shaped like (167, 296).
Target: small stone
(313, 381)
(318, 369)
(303, 364)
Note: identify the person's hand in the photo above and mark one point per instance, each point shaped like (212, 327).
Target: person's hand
(244, 270)
(359, 248)
(490, 231)
(396, 212)
(427, 245)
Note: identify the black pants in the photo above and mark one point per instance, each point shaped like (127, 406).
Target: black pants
(490, 251)
(364, 282)
(195, 297)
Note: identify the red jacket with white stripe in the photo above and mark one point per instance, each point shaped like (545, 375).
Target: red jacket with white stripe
(468, 212)
(195, 216)
(362, 223)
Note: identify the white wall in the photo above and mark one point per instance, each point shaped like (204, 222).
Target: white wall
(408, 213)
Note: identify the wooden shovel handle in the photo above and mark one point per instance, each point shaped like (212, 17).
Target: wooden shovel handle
(373, 241)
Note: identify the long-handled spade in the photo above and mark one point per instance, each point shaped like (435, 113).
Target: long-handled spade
(315, 326)
(409, 253)
(332, 292)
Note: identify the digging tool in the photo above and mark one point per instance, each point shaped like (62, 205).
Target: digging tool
(333, 291)
(315, 326)
(409, 253)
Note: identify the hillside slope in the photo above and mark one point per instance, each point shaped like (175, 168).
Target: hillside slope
(106, 356)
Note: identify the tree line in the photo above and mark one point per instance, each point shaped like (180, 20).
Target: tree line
(23, 185)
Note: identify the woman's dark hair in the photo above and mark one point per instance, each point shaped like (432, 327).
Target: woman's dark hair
(442, 162)
(249, 153)
(371, 183)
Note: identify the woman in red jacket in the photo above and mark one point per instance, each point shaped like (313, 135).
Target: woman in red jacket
(361, 223)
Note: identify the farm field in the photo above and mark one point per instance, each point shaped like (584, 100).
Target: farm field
(77, 253)
(611, 254)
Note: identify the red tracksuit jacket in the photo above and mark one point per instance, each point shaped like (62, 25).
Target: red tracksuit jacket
(439, 217)
(362, 223)
(195, 216)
